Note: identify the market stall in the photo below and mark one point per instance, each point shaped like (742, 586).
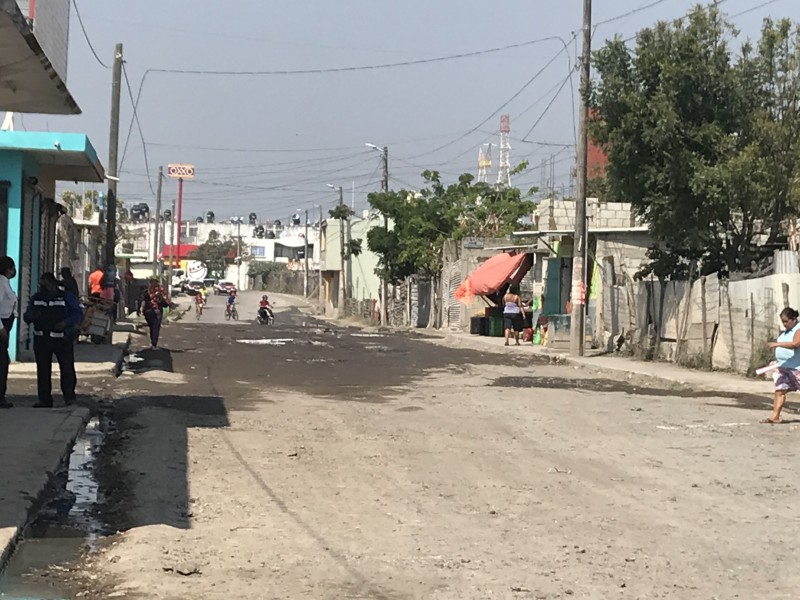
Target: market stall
(491, 281)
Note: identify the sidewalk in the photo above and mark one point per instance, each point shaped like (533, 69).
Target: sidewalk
(91, 360)
(616, 366)
(34, 443)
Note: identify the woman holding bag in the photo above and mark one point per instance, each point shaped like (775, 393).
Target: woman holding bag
(153, 301)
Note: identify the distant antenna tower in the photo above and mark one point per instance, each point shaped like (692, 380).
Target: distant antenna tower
(484, 164)
(504, 172)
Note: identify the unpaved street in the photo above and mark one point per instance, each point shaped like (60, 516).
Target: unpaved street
(322, 462)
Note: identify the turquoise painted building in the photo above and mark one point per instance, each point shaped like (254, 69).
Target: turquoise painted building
(31, 163)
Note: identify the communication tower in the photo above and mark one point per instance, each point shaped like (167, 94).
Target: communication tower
(504, 172)
(484, 164)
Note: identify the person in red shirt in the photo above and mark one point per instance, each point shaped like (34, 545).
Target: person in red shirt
(265, 308)
(96, 282)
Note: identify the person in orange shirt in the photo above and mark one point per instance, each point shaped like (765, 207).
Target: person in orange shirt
(96, 282)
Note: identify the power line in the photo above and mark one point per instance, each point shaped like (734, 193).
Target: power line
(320, 71)
(252, 150)
(630, 13)
(549, 105)
(754, 8)
(139, 126)
(507, 102)
(86, 36)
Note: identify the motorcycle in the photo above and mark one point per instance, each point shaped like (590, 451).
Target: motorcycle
(264, 316)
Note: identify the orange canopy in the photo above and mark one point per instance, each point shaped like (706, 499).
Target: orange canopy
(490, 277)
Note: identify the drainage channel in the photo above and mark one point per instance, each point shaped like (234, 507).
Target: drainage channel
(66, 526)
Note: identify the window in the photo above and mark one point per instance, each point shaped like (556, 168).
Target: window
(258, 251)
(282, 251)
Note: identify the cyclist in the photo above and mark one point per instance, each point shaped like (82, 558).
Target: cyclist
(231, 302)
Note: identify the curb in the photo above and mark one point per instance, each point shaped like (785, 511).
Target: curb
(82, 415)
(117, 369)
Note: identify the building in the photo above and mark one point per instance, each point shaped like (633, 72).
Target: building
(617, 247)
(363, 285)
(30, 165)
(33, 45)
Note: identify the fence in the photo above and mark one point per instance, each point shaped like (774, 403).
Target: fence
(710, 322)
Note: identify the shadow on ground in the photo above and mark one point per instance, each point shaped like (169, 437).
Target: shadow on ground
(745, 401)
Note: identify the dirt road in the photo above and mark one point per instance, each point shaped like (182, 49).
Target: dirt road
(310, 461)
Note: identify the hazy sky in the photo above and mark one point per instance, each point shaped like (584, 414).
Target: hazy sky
(269, 144)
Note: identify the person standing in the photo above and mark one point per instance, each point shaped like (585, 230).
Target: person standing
(96, 282)
(8, 311)
(787, 355)
(55, 315)
(70, 284)
(513, 313)
(153, 301)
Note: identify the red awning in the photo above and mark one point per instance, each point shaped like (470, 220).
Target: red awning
(179, 251)
(493, 275)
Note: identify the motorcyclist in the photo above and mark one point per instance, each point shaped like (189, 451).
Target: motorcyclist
(265, 308)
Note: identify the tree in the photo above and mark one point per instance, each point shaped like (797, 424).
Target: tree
(701, 142)
(264, 272)
(215, 254)
(424, 220)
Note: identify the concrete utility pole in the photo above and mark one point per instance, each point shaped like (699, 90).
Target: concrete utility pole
(319, 265)
(343, 273)
(384, 188)
(580, 251)
(171, 250)
(158, 223)
(305, 260)
(385, 282)
(113, 153)
(239, 253)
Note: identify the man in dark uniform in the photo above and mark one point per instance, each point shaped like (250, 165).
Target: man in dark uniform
(55, 315)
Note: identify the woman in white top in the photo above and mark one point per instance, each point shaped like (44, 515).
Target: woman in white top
(8, 311)
(513, 314)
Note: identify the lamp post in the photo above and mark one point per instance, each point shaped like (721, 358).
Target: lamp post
(384, 188)
(342, 272)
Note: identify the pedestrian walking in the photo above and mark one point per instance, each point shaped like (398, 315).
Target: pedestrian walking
(153, 302)
(787, 355)
(8, 312)
(513, 313)
(54, 314)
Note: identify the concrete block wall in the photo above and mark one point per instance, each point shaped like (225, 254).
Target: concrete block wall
(740, 316)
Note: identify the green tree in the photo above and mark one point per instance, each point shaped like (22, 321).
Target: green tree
(216, 254)
(264, 272)
(424, 220)
(701, 142)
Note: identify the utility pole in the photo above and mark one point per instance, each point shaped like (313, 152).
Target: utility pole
(305, 257)
(171, 249)
(158, 223)
(113, 153)
(319, 264)
(385, 282)
(580, 252)
(343, 272)
(239, 253)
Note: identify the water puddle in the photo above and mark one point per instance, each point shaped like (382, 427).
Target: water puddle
(270, 342)
(65, 527)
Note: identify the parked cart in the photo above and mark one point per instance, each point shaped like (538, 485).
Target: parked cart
(97, 322)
